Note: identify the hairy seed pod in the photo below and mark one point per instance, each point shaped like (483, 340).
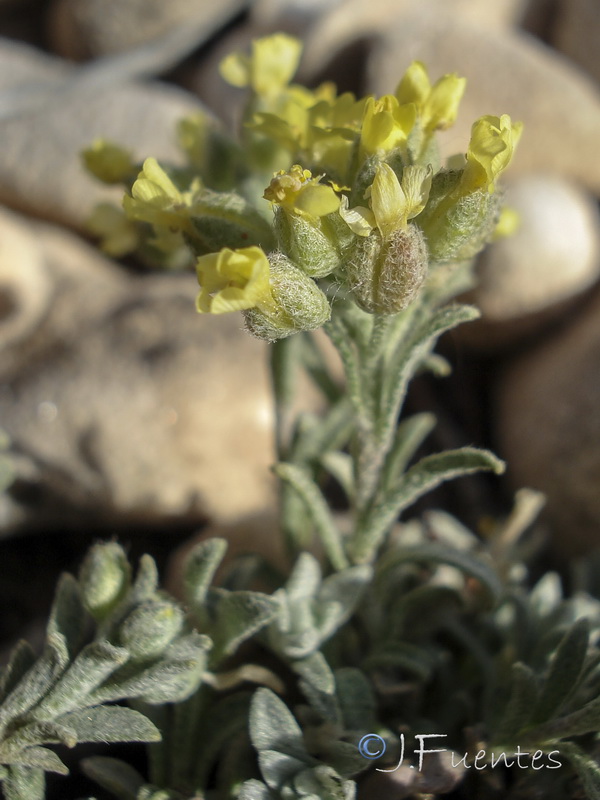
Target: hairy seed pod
(386, 275)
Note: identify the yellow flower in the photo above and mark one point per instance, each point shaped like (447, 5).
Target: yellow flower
(386, 125)
(297, 190)
(493, 141)
(155, 198)
(269, 68)
(437, 105)
(108, 162)
(118, 235)
(393, 202)
(233, 280)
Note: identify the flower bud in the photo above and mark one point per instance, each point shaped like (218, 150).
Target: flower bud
(150, 628)
(457, 226)
(104, 578)
(306, 243)
(298, 303)
(385, 275)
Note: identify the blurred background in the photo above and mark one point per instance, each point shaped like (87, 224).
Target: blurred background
(127, 415)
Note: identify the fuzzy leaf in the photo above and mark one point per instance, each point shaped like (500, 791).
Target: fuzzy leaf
(36, 733)
(584, 720)
(518, 711)
(68, 616)
(255, 790)
(279, 769)
(305, 578)
(340, 466)
(110, 724)
(424, 476)
(237, 616)
(585, 767)
(318, 509)
(274, 727)
(410, 435)
(436, 553)
(200, 567)
(146, 581)
(114, 775)
(40, 757)
(92, 666)
(34, 685)
(315, 671)
(24, 783)
(21, 659)
(356, 699)
(565, 670)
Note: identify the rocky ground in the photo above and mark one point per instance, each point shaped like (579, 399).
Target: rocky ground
(129, 415)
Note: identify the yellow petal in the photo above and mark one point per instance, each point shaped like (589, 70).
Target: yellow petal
(233, 280)
(441, 108)
(235, 69)
(416, 185)
(493, 140)
(275, 59)
(318, 200)
(388, 200)
(360, 220)
(414, 86)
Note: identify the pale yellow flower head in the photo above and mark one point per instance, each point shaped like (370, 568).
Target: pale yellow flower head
(493, 141)
(156, 199)
(437, 105)
(386, 125)
(233, 280)
(269, 68)
(297, 190)
(393, 202)
(108, 162)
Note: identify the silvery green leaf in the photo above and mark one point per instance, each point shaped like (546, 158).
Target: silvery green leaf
(37, 733)
(318, 509)
(114, 775)
(410, 434)
(315, 671)
(278, 768)
(110, 724)
(428, 603)
(586, 768)
(340, 592)
(40, 757)
(273, 726)
(255, 790)
(425, 475)
(448, 530)
(585, 720)
(227, 717)
(36, 682)
(324, 783)
(340, 466)
(565, 670)
(173, 678)
(24, 783)
(305, 578)
(235, 617)
(546, 595)
(21, 659)
(521, 703)
(146, 580)
(200, 567)
(68, 616)
(436, 553)
(92, 667)
(356, 699)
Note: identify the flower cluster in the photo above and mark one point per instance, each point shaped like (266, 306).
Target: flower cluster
(358, 200)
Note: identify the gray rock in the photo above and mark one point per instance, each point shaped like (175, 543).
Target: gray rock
(124, 405)
(50, 112)
(529, 279)
(576, 33)
(81, 29)
(548, 428)
(507, 72)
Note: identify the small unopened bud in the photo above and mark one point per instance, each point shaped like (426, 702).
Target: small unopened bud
(386, 275)
(458, 226)
(150, 628)
(298, 303)
(306, 242)
(104, 578)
